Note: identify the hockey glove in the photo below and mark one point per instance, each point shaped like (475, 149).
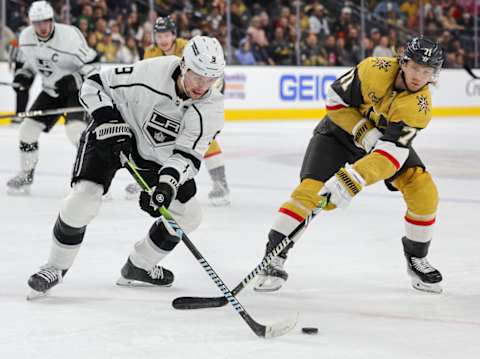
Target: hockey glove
(67, 84)
(23, 80)
(161, 195)
(365, 135)
(112, 134)
(343, 186)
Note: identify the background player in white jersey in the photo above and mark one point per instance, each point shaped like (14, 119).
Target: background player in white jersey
(59, 54)
(162, 112)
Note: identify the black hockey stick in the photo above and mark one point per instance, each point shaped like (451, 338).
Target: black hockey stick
(470, 72)
(39, 113)
(214, 302)
(264, 331)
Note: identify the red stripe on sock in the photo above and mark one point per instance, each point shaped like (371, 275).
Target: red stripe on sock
(291, 214)
(420, 223)
(212, 154)
(334, 107)
(389, 157)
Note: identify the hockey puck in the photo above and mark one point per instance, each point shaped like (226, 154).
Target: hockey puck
(309, 330)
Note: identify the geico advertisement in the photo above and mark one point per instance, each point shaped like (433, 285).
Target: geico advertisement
(278, 87)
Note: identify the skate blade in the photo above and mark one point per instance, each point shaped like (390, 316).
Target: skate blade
(124, 282)
(24, 191)
(219, 201)
(34, 295)
(426, 287)
(266, 284)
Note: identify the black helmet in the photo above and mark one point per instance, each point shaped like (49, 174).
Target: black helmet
(425, 52)
(165, 24)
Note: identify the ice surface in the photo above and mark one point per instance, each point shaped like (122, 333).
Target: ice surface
(347, 275)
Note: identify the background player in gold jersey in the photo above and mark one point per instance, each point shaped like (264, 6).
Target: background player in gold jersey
(166, 43)
(374, 112)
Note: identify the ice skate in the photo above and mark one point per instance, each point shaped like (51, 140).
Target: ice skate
(42, 281)
(132, 276)
(219, 195)
(20, 184)
(424, 277)
(132, 191)
(272, 277)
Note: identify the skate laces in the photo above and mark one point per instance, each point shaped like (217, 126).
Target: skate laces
(422, 265)
(50, 274)
(156, 272)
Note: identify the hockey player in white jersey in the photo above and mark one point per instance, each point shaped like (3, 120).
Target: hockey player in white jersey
(162, 113)
(59, 54)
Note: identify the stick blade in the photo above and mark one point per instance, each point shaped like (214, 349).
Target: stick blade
(183, 303)
(282, 327)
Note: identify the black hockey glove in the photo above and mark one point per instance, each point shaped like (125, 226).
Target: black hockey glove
(162, 195)
(67, 84)
(24, 81)
(112, 134)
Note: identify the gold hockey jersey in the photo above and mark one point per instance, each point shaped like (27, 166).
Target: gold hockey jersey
(154, 50)
(368, 92)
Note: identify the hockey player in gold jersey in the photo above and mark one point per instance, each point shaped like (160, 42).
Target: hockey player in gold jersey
(167, 43)
(374, 112)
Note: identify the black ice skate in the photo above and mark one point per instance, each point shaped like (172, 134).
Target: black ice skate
(20, 184)
(272, 277)
(42, 281)
(133, 276)
(424, 276)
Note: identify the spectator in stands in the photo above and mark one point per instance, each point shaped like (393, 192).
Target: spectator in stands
(281, 49)
(384, 7)
(344, 57)
(375, 35)
(100, 29)
(318, 22)
(311, 53)
(331, 51)
(340, 27)
(244, 54)
(128, 52)
(83, 26)
(410, 10)
(383, 49)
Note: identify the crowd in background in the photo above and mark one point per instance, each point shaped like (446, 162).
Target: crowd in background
(265, 32)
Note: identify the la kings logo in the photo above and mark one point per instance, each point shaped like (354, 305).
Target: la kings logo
(161, 130)
(45, 67)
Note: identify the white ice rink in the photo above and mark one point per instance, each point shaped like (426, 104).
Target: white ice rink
(347, 275)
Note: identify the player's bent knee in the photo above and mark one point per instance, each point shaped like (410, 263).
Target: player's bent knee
(307, 196)
(188, 215)
(82, 204)
(30, 130)
(74, 131)
(419, 191)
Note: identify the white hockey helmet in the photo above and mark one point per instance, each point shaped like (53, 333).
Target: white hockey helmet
(204, 56)
(39, 11)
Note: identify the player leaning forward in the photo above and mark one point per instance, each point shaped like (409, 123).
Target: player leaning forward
(374, 112)
(162, 112)
(61, 56)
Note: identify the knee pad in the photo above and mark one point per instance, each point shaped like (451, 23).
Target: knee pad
(419, 191)
(305, 197)
(30, 130)
(82, 204)
(74, 130)
(188, 215)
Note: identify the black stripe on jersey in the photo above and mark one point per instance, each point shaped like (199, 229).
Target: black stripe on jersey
(170, 172)
(143, 85)
(83, 102)
(60, 51)
(196, 162)
(201, 127)
(349, 88)
(96, 78)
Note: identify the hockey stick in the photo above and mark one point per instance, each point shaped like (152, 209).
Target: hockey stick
(214, 302)
(11, 84)
(39, 113)
(264, 331)
(470, 72)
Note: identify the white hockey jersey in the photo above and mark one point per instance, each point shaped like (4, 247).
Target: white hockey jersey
(65, 52)
(168, 130)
